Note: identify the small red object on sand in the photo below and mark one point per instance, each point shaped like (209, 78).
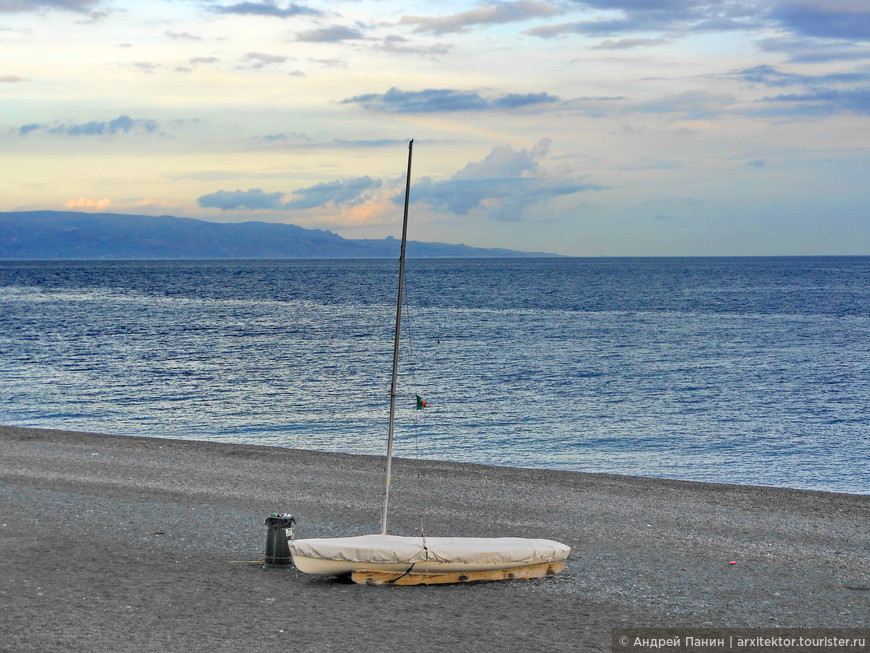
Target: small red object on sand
(732, 563)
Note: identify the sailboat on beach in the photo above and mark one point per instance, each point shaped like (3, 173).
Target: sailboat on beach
(411, 560)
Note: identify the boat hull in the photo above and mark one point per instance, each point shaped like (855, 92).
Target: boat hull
(386, 554)
(437, 578)
(343, 567)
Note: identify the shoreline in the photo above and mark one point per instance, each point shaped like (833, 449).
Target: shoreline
(154, 537)
(436, 461)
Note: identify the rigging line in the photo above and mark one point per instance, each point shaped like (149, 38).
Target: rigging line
(407, 571)
(409, 344)
(409, 338)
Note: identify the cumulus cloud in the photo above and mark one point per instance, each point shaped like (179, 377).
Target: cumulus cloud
(492, 13)
(121, 124)
(444, 100)
(506, 185)
(504, 162)
(266, 8)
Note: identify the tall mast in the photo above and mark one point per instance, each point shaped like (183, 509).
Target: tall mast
(394, 382)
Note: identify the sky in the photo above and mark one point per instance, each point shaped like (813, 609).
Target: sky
(578, 127)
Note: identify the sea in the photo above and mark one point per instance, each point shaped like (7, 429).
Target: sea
(752, 371)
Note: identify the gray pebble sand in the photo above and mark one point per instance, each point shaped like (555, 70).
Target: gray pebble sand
(112, 543)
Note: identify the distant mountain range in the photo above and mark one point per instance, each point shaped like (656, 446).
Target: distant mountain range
(76, 235)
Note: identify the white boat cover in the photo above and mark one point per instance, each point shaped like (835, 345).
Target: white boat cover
(392, 549)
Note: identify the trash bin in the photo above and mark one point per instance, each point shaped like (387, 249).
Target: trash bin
(280, 530)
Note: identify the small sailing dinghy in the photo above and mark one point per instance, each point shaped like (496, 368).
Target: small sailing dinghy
(399, 560)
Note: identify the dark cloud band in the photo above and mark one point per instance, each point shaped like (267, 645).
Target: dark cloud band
(444, 100)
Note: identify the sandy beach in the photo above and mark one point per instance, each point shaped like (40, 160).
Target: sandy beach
(113, 543)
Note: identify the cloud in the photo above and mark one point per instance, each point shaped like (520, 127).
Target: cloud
(253, 198)
(756, 163)
(342, 192)
(266, 8)
(330, 63)
(624, 44)
(813, 50)
(443, 100)
(843, 20)
(507, 185)
(770, 76)
(516, 100)
(89, 203)
(839, 19)
(381, 142)
(668, 16)
(274, 138)
(827, 101)
(12, 79)
(823, 94)
(395, 44)
(281, 137)
(346, 192)
(17, 6)
(182, 36)
(332, 34)
(502, 199)
(692, 105)
(504, 162)
(432, 100)
(164, 203)
(121, 124)
(257, 60)
(146, 67)
(492, 13)
(600, 27)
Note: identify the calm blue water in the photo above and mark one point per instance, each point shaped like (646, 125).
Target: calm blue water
(752, 371)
